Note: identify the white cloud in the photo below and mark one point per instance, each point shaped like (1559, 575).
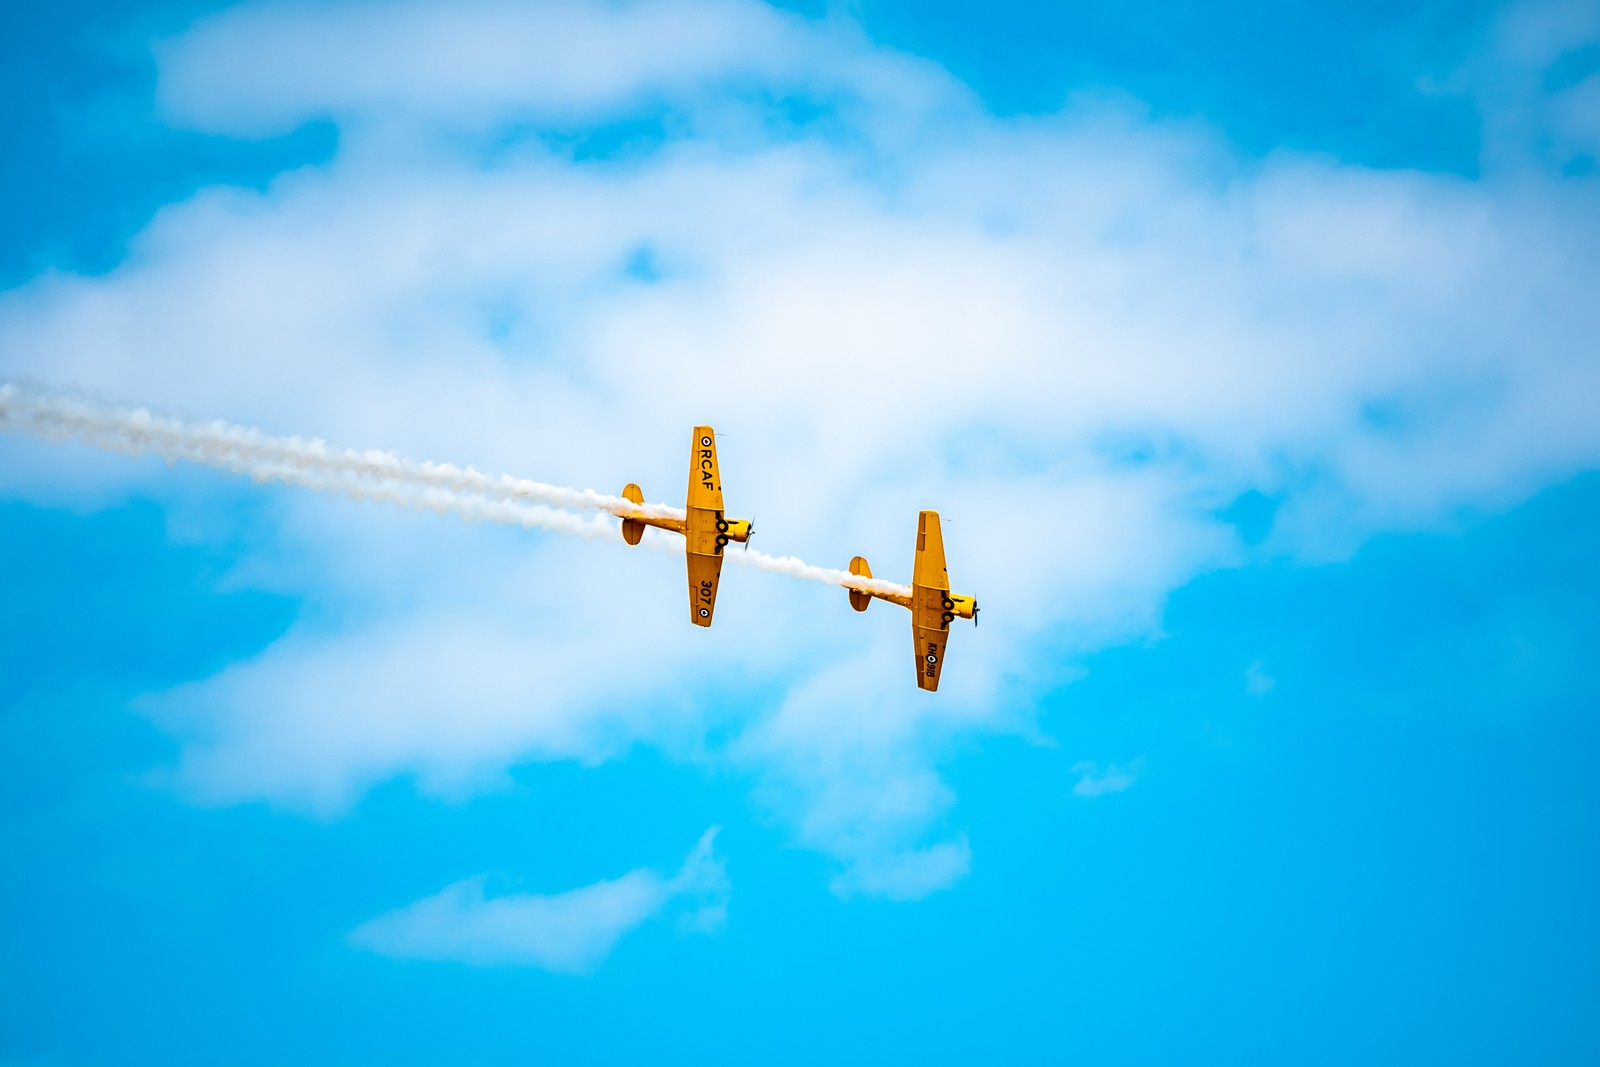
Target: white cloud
(1528, 115)
(264, 67)
(909, 874)
(1093, 782)
(571, 932)
(1078, 336)
(1257, 682)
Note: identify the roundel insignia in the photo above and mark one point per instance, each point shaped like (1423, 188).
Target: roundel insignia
(705, 442)
(932, 658)
(704, 612)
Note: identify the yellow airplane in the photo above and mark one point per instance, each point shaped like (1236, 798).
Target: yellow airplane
(705, 531)
(932, 604)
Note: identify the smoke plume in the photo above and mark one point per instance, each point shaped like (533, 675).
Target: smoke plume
(367, 475)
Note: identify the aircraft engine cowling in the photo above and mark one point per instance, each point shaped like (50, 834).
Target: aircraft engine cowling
(858, 599)
(739, 530)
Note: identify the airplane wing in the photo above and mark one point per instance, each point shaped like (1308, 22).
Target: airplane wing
(930, 652)
(930, 600)
(701, 533)
(929, 571)
(705, 482)
(704, 571)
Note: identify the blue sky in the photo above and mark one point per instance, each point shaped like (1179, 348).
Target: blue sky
(1257, 387)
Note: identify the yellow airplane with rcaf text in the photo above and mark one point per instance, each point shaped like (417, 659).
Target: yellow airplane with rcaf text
(706, 531)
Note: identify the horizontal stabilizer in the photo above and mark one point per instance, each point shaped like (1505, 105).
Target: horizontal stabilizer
(632, 529)
(859, 599)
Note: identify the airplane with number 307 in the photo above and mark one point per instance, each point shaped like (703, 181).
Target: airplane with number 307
(706, 530)
(932, 605)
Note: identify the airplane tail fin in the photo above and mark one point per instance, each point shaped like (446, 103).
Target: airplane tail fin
(632, 529)
(858, 599)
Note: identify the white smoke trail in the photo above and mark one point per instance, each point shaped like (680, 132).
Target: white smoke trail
(789, 565)
(138, 431)
(799, 568)
(371, 475)
(440, 501)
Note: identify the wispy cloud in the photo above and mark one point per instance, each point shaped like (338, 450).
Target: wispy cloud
(907, 874)
(1094, 782)
(1257, 682)
(571, 932)
(262, 67)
